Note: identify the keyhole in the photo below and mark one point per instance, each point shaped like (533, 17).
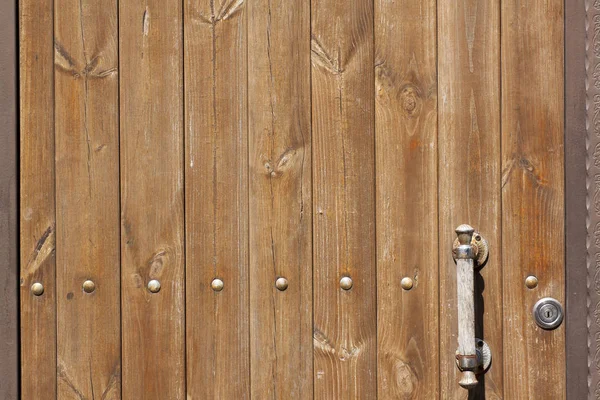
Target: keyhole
(548, 313)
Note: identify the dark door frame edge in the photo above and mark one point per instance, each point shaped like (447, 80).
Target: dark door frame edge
(9, 234)
(582, 173)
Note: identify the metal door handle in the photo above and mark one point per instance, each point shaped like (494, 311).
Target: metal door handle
(473, 356)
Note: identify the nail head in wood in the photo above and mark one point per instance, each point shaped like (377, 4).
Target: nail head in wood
(154, 286)
(89, 286)
(281, 284)
(406, 283)
(37, 289)
(346, 283)
(217, 285)
(531, 282)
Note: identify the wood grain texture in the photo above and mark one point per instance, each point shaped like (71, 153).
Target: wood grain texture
(216, 159)
(87, 198)
(280, 199)
(152, 212)
(9, 204)
(345, 323)
(406, 166)
(469, 178)
(532, 194)
(37, 212)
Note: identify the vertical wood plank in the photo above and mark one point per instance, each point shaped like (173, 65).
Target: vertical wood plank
(216, 180)
(407, 218)
(280, 199)
(345, 323)
(533, 193)
(87, 198)
(9, 204)
(37, 212)
(469, 185)
(152, 213)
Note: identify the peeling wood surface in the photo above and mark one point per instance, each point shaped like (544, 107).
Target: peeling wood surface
(37, 211)
(469, 180)
(87, 199)
(216, 179)
(532, 194)
(152, 211)
(280, 212)
(406, 165)
(345, 322)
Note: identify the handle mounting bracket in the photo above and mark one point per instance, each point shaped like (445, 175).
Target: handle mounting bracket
(480, 250)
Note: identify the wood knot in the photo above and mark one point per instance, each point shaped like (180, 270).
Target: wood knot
(526, 164)
(157, 262)
(283, 163)
(406, 379)
(410, 99)
(269, 169)
(346, 354)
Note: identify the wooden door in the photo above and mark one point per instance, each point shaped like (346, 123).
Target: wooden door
(229, 199)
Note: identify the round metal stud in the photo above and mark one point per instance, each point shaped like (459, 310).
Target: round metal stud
(37, 289)
(217, 285)
(406, 283)
(346, 283)
(281, 283)
(89, 286)
(531, 282)
(154, 286)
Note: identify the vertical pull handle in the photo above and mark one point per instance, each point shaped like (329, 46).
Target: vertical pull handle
(472, 356)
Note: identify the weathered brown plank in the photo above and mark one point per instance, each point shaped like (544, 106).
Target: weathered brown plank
(37, 214)
(469, 180)
(407, 218)
(152, 213)
(345, 323)
(9, 204)
(216, 199)
(87, 198)
(280, 199)
(532, 194)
